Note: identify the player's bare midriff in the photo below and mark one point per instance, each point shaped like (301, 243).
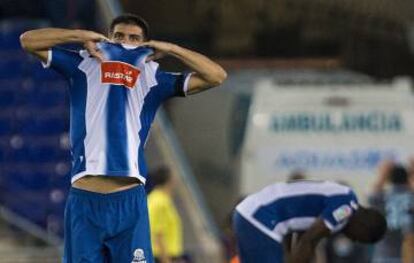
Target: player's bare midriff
(105, 184)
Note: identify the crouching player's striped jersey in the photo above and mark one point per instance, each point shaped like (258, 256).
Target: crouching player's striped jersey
(112, 106)
(283, 208)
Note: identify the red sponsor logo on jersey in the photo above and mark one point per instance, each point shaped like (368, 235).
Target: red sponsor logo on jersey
(119, 73)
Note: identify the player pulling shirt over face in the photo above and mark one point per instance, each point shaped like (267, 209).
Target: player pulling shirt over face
(114, 94)
(113, 103)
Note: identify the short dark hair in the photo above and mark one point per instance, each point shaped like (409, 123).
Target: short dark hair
(131, 19)
(160, 176)
(366, 225)
(398, 175)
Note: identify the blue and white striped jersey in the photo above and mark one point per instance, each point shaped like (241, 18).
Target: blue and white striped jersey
(283, 208)
(112, 106)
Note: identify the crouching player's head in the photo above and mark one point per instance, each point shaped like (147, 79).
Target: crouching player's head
(367, 225)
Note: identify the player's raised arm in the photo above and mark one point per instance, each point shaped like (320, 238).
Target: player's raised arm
(207, 73)
(39, 41)
(304, 250)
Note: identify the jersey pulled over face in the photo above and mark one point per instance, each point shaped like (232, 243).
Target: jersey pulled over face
(282, 208)
(112, 106)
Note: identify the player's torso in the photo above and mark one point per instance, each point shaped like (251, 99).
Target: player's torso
(109, 116)
(288, 207)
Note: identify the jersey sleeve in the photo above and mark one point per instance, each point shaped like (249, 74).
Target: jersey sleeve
(339, 209)
(63, 61)
(172, 84)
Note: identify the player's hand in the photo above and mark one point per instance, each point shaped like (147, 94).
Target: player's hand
(90, 40)
(161, 49)
(93, 50)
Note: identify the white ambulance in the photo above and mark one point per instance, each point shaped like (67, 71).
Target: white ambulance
(335, 132)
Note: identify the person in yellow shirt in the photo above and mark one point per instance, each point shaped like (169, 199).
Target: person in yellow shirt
(165, 222)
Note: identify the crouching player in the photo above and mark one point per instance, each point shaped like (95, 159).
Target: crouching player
(317, 209)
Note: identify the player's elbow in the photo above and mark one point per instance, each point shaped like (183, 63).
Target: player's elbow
(25, 40)
(218, 78)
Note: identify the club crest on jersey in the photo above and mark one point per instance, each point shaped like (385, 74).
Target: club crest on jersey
(119, 73)
(342, 213)
(139, 256)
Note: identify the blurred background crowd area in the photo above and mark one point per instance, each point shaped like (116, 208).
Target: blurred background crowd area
(290, 64)
(372, 36)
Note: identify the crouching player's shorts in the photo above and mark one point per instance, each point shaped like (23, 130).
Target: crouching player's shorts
(253, 245)
(107, 227)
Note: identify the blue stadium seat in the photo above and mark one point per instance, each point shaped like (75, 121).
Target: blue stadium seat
(48, 84)
(7, 98)
(36, 98)
(52, 126)
(2, 157)
(9, 40)
(14, 84)
(18, 86)
(26, 126)
(46, 153)
(30, 204)
(6, 126)
(48, 97)
(11, 69)
(39, 73)
(62, 182)
(22, 180)
(42, 126)
(4, 150)
(23, 99)
(19, 155)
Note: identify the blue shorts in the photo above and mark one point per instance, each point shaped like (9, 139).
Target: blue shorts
(107, 227)
(253, 245)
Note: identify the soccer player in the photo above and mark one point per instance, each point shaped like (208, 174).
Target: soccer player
(264, 220)
(115, 90)
(165, 221)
